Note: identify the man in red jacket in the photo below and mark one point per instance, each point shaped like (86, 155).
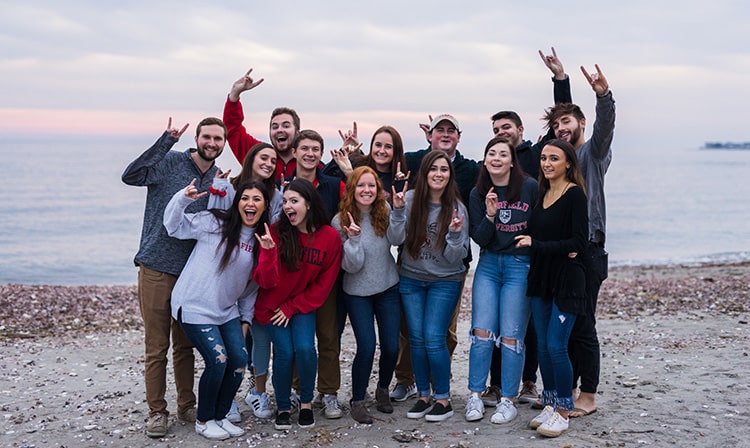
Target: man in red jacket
(283, 128)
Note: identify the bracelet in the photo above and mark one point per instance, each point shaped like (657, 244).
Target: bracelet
(490, 217)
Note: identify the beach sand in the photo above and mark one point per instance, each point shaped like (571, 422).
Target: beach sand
(674, 340)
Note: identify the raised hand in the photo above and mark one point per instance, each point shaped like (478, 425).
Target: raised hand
(490, 202)
(350, 137)
(457, 222)
(399, 198)
(222, 174)
(174, 132)
(352, 229)
(426, 128)
(192, 192)
(243, 84)
(553, 63)
(597, 80)
(342, 160)
(266, 241)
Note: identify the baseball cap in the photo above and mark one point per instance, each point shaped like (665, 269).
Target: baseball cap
(444, 117)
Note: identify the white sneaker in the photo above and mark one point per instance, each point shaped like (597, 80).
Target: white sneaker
(211, 430)
(554, 426)
(504, 412)
(332, 408)
(261, 403)
(226, 425)
(474, 408)
(234, 413)
(542, 417)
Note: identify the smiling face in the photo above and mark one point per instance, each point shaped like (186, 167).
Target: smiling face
(308, 154)
(508, 130)
(366, 191)
(251, 206)
(568, 128)
(210, 142)
(282, 132)
(381, 151)
(498, 162)
(438, 175)
(264, 164)
(296, 208)
(553, 163)
(445, 137)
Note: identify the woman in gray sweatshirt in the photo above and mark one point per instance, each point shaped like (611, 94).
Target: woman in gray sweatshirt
(370, 286)
(429, 221)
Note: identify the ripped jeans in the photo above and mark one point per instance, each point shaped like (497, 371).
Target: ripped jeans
(225, 356)
(499, 305)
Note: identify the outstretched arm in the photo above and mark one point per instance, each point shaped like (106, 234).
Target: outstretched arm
(240, 141)
(144, 170)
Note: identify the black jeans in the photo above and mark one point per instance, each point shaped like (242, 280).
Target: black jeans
(583, 346)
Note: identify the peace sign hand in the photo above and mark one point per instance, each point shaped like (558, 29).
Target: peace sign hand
(266, 241)
(243, 84)
(597, 80)
(352, 229)
(192, 192)
(457, 222)
(174, 132)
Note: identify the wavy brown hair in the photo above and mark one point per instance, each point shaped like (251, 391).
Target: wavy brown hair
(416, 227)
(517, 175)
(290, 248)
(379, 213)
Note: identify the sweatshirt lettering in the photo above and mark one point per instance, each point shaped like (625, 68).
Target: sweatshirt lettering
(311, 255)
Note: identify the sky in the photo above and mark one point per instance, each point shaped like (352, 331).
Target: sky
(119, 69)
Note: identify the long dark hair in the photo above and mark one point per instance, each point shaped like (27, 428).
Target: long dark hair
(416, 228)
(398, 150)
(517, 175)
(231, 223)
(572, 173)
(290, 248)
(246, 174)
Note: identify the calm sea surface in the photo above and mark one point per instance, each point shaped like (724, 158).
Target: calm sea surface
(68, 219)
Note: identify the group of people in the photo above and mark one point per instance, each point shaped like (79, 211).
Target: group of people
(251, 270)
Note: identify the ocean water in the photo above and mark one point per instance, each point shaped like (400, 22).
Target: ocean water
(67, 218)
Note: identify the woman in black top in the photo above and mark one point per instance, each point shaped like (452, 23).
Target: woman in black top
(558, 232)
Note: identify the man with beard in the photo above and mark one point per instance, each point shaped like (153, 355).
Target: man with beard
(160, 260)
(594, 155)
(283, 128)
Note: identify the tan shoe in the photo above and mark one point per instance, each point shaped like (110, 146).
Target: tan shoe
(360, 412)
(157, 425)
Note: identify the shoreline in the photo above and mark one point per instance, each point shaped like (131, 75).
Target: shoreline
(675, 345)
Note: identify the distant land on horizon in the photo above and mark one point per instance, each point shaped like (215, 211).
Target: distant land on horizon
(726, 145)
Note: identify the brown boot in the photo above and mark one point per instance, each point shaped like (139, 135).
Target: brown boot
(360, 412)
(383, 400)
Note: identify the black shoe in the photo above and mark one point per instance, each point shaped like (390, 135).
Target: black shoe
(438, 413)
(306, 418)
(283, 421)
(419, 409)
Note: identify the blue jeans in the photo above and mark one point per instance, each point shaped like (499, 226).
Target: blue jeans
(385, 307)
(553, 329)
(500, 306)
(261, 355)
(295, 342)
(225, 356)
(428, 307)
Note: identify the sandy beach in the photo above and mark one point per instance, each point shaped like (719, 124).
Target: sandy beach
(675, 347)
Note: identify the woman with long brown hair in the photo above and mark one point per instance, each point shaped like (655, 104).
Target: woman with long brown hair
(429, 221)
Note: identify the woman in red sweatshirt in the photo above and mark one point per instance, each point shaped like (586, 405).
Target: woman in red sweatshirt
(298, 265)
